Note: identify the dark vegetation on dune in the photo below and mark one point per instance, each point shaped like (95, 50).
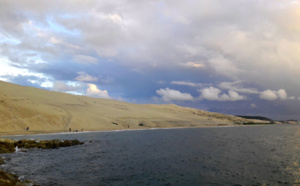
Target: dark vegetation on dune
(255, 117)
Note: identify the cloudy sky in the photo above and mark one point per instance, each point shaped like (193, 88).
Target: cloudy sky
(227, 56)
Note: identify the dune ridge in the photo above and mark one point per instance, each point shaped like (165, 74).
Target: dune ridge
(48, 111)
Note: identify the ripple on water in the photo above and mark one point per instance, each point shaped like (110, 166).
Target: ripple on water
(233, 155)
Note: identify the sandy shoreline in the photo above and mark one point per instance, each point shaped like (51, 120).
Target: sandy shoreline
(95, 131)
(6, 135)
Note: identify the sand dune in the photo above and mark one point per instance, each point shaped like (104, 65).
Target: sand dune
(47, 111)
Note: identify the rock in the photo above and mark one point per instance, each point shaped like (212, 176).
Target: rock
(8, 146)
(12, 180)
(76, 142)
(41, 145)
(7, 140)
(56, 143)
(2, 161)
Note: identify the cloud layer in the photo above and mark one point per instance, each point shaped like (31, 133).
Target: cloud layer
(214, 94)
(93, 91)
(206, 54)
(170, 95)
(273, 95)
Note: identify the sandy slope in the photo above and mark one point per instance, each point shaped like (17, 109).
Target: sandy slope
(48, 111)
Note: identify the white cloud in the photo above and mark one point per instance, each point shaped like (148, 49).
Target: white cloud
(85, 77)
(273, 95)
(65, 86)
(186, 83)
(282, 94)
(7, 70)
(47, 84)
(85, 59)
(232, 96)
(93, 91)
(235, 86)
(268, 95)
(53, 40)
(115, 18)
(224, 66)
(252, 105)
(170, 94)
(214, 94)
(56, 41)
(210, 93)
(195, 65)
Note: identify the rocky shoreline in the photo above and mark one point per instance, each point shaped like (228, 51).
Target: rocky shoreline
(10, 146)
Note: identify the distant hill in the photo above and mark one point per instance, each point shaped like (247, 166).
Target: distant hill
(30, 110)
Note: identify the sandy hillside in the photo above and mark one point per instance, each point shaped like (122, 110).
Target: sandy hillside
(48, 111)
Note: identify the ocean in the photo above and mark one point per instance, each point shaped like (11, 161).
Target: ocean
(247, 155)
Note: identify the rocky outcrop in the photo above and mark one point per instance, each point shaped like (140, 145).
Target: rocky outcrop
(8, 145)
(8, 179)
(46, 144)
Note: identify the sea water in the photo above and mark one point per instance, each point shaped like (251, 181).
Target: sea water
(248, 155)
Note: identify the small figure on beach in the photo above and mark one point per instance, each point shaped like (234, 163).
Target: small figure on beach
(27, 128)
(76, 130)
(70, 130)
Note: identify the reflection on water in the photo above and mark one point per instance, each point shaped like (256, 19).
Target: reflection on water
(294, 155)
(250, 155)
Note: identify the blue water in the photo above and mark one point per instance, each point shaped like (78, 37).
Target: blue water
(250, 155)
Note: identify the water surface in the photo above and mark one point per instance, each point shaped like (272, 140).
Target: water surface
(250, 155)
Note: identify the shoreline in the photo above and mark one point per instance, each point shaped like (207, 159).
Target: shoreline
(92, 131)
(37, 133)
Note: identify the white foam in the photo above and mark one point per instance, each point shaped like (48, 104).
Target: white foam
(17, 149)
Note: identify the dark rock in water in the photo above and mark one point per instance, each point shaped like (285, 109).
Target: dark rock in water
(8, 146)
(2, 161)
(12, 180)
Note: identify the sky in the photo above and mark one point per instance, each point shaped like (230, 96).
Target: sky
(237, 57)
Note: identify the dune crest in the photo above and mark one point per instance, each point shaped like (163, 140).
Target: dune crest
(45, 111)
